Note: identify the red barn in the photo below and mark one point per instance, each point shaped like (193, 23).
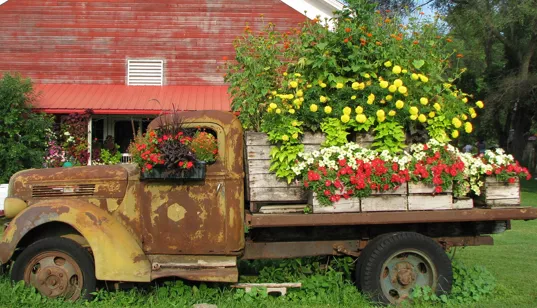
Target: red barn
(130, 59)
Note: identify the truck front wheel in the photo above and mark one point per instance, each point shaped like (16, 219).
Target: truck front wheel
(400, 262)
(56, 267)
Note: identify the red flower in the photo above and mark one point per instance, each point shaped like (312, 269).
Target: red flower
(425, 147)
(189, 165)
(327, 192)
(148, 166)
(438, 189)
(489, 172)
(327, 183)
(511, 180)
(342, 162)
(181, 163)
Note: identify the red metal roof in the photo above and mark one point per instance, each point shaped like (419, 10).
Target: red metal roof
(122, 99)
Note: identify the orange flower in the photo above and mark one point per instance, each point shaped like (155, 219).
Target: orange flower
(369, 34)
(387, 20)
(449, 40)
(347, 30)
(415, 42)
(460, 55)
(378, 43)
(346, 40)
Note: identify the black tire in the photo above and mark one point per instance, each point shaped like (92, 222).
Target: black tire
(54, 266)
(396, 263)
(363, 256)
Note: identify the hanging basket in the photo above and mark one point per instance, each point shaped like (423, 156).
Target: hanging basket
(159, 172)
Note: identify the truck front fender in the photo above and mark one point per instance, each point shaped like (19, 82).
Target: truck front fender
(117, 254)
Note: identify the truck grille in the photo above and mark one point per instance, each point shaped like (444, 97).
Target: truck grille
(63, 191)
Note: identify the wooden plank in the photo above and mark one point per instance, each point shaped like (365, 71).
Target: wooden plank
(384, 203)
(259, 194)
(363, 139)
(309, 138)
(463, 203)
(502, 190)
(256, 138)
(269, 180)
(258, 166)
(342, 206)
(420, 188)
(258, 152)
(503, 202)
(282, 209)
(401, 190)
(430, 202)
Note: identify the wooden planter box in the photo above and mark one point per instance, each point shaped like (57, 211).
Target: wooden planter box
(392, 200)
(499, 194)
(365, 140)
(196, 173)
(421, 198)
(463, 203)
(342, 206)
(263, 186)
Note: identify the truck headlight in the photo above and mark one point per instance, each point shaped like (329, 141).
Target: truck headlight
(13, 206)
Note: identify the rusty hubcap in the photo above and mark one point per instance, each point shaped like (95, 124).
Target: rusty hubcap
(55, 274)
(405, 270)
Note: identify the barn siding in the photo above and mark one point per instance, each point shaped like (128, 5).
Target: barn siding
(73, 41)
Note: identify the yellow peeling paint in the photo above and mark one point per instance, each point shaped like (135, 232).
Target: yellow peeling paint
(112, 205)
(231, 217)
(176, 212)
(198, 235)
(128, 205)
(159, 197)
(94, 201)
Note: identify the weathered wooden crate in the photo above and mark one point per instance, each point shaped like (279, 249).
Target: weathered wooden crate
(385, 201)
(421, 198)
(498, 194)
(463, 203)
(342, 206)
(263, 186)
(365, 140)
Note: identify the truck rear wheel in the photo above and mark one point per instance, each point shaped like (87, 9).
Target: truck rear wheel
(57, 267)
(396, 264)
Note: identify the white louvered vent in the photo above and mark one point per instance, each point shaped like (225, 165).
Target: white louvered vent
(145, 72)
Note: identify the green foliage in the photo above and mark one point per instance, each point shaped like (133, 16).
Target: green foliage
(389, 136)
(335, 131)
(282, 159)
(110, 158)
(22, 131)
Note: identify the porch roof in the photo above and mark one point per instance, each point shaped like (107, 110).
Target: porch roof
(122, 99)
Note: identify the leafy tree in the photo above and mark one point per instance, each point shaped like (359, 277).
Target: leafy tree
(22, 132)
(499, 41)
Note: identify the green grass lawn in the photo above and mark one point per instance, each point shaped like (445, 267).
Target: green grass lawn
(512, 260)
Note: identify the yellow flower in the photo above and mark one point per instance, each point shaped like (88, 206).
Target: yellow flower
(285, 138)
(290, 96)
(437, 106)
(273, 92)
(322, 99)
(339, 85)
(404, 71)
(369, 82)
(371, 98)
(355, 85)
(291, 111)
(473, 115)
(389, 98)
(387, 63)
(422, 118)
(294, 123)
(447, 85)
(465, 100)
(396, 69)
(327, 109)
(269, 110)
(392, 88)
(345, 118)
(381, 119)
(347, 110)
(423, 78)
(402, 89)
(413, 111)
(296, 101)
(313, 108)
(468, 127)
(297, 75)
(293, 84)
(360, 118)
(432, 114)
(413, 117)
(367, 76)
(278, 111)
(323, 85)
(471, 110)
(353, 97)
(359, 110)
(399, 104)
(295, 136)
(299, 93)
(273, 106)
(455, 134)
(301, 99)
(414, 76)
(381, 113)
(464, 117)
(479, 104)
(398, 82)
(456, 122)
(308, 86)
(384, 84)
(285, 73)
(424, 101)
(391, 113)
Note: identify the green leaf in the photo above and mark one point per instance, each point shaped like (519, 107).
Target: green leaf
(418, 63)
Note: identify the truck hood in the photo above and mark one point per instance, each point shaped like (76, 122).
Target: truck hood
(89, 181)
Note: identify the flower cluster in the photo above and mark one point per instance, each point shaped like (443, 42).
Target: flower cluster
(504, 166)
(205, 146)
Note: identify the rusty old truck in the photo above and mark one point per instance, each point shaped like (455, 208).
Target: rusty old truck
(72, 227)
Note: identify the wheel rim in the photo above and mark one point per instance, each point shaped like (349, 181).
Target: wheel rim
(55, 274)
(405, 270)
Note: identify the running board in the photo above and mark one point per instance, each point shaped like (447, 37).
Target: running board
(197, 268)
